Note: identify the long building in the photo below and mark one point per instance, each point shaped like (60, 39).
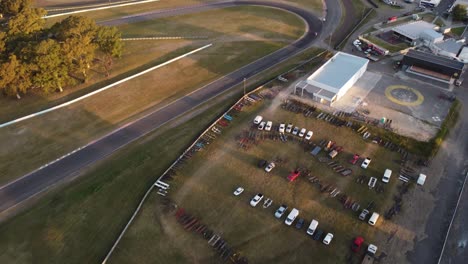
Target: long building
(334, 78)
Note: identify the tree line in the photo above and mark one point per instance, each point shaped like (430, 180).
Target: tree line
(47, 59)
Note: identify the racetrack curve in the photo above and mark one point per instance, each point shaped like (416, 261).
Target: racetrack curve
(20, 190)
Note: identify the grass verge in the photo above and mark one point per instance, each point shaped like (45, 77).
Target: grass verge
(458, 31)
(386, 45)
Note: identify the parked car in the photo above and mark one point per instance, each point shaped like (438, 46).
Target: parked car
(328, 238)
(295, 131)
(270, 167)
(268, 126)
(387, 175)
(267, 203)
(373, 219)
(300, 223)
(363, 214)
(289, 128)
(262, 125)
(312, 227)
(262, 163)
(302, 133)
(291, 216)
(357, 243)
(280, 211)
(309, 135)
(256, 199)
(372, 249)
(258, 119)
(354, 159)
(238, 191)
(281, 128)
(293, 175)
(366, 163)
(318, 234)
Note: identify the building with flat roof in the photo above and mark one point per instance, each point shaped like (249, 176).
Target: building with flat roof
(412, 31)
(334, 78)
(433, 66)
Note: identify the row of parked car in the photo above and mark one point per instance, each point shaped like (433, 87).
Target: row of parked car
(293, 214)
(267, 125)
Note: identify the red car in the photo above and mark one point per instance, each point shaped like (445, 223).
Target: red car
(357, 243)
(354, 159)
(293, 175)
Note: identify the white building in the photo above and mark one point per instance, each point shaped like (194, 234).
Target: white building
(413, 31)
(331, 81)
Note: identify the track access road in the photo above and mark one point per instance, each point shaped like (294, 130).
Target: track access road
(65, 169)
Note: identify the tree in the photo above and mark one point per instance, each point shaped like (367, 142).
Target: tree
(28, 21)
(108, 40)
(459, 12)
(14, 77)
(2, 43)
(13, 7)
(49, 71)
(77, 34)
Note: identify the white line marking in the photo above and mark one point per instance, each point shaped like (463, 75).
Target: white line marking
(99, 8)
(102, 89)
(114, 131)
(453, 218)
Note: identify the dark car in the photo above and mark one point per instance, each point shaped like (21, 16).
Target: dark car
(318, 234)
(262, 163)
(357, 243)
(300, 223)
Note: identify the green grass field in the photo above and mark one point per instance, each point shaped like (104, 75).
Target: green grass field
(38, 141)
(204, 188)
(457, 31)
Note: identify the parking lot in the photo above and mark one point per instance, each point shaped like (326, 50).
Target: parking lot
(205, 186)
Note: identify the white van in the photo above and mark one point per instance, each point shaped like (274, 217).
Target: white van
(421, 179)
(291, 216)
(312, 227)
(373, 219)
(386, 176)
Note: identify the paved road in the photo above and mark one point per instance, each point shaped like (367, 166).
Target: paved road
(18, 191)
(452, 158)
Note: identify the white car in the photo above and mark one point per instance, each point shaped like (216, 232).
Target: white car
(309, 135)
(270, 167)
(302, 133)
(366, 163)
(282, 128)
(357, 43)
(258, 119)
(269, 124)
(328, 238)
(372, 249)
(289, 128)
(295, 131)
(256, 199)
(281, 210)
(238, 191)
(262, 125)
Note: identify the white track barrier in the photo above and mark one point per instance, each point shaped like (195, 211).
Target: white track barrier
(103, 88)
(87, 6)
(99, 8)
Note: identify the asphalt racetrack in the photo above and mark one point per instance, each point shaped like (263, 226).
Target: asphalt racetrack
(16, 192)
